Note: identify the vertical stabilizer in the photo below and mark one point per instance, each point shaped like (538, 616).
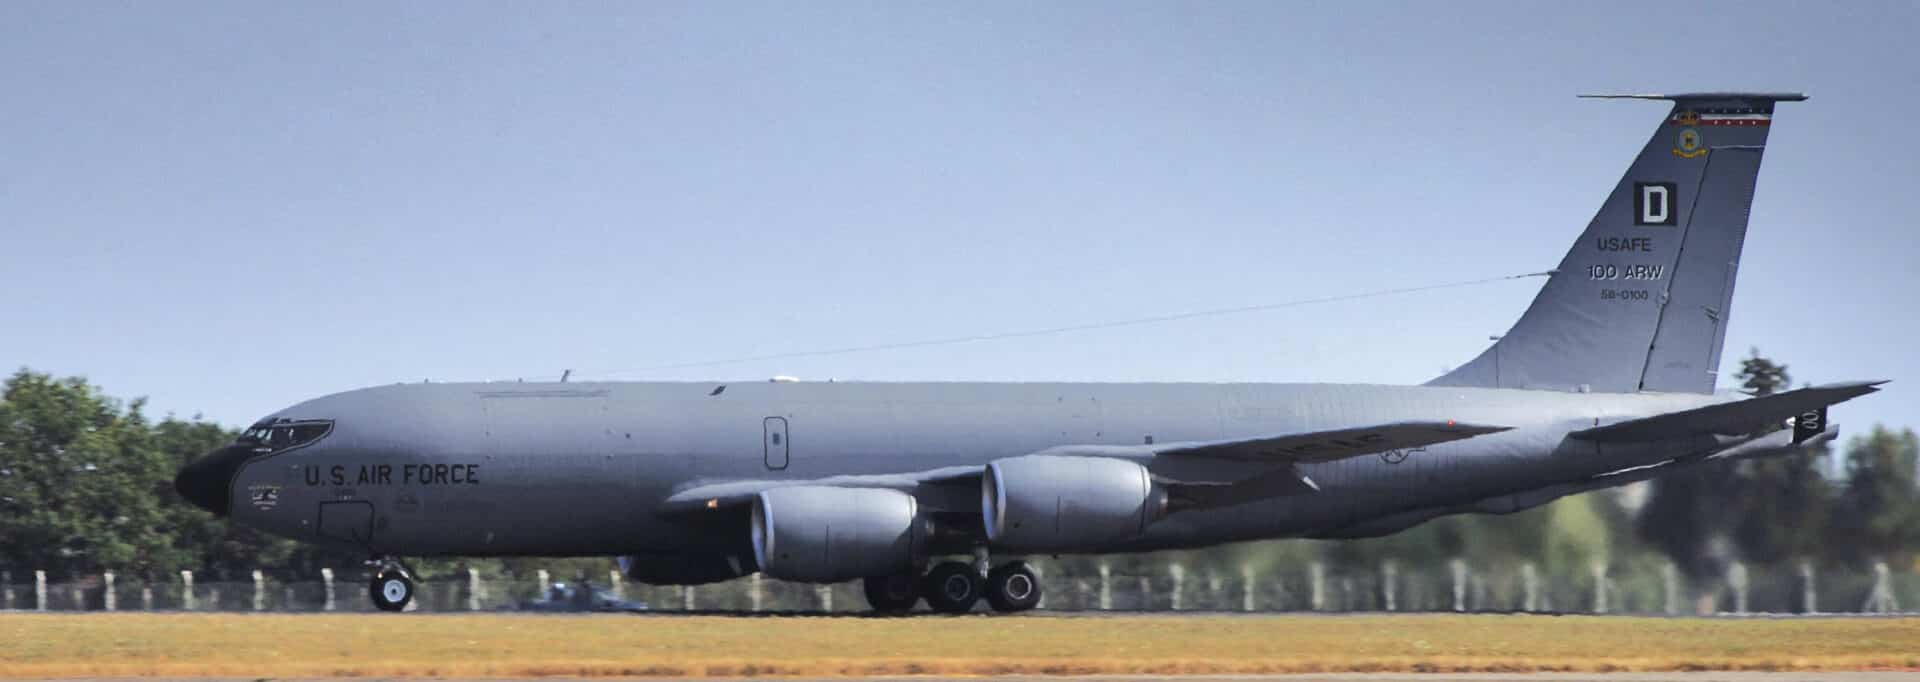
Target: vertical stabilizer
(1641, 301)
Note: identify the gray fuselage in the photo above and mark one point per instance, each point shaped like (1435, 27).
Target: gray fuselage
(583, 468)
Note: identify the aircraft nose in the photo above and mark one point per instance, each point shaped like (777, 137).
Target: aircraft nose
(207, 482)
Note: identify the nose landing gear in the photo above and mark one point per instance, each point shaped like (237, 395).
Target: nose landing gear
(392, 584)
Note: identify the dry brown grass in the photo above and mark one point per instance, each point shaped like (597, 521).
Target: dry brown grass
(368, 645)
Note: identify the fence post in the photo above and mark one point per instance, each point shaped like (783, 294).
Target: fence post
(326, 579)
(1737, 581)
(1529, 587)
(186, 590)
(259, 591)
(1389, 577)
(1670, 579)
(1599, 587)
(1246, 587)
(1317, 586)
(1039, 578)
(617, 585)
(477, 591)
(146, 597)
(1106, 587)
(1146, 593)
(1809, 602)
(1881, 600)
(1179, 584)
(545, 580)
(754, 592)
(686, 597)
(1458, 567)
(39, 590)
(824, 593)
(108, 599)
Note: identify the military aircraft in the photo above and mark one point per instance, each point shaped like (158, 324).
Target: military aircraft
(1606, 379)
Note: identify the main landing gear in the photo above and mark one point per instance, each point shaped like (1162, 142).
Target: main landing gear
(955, 587)
(392, 584)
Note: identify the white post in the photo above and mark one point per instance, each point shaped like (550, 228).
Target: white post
(1670, 579)
(475, 590)
(1179, 584)
(1809, 602)
(1106, 587)
(1389, 576)
(186, 590)
(1529, 587)
(1458, 567)
(686, 597)
(1881, 599)
(1040, 579)
(545, 580)
(1215, 584)
(146, 597)
(616, 585)
(824, 593)
(1246, 587)
(39, 590)
(1146, 593)
(1737, 581)
(326, 579)
(755, 592)
(259, 591)
(1317, 586)
(1599, 587)
(213, 596)
(107, 580)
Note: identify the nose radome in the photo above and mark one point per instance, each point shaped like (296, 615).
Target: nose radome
(207, 482)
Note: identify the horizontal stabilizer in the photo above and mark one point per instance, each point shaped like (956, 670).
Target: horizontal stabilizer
(1736, 418)
(1326, 446)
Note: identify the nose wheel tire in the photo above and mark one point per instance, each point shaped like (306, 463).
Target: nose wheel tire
(1013, 587)
(892, 593)
(391, 590)
(952, 587)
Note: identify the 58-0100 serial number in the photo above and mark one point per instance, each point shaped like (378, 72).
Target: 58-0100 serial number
(1624, 295)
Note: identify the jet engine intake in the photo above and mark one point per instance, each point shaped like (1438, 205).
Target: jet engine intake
(823, 534)
(1055, 503)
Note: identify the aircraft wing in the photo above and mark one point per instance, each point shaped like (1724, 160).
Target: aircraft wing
(1736, 418)
(1326, 446)
(1279, 453)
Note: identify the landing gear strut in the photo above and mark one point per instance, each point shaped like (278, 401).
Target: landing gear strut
(392, 584)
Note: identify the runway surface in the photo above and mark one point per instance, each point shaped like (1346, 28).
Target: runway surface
(1336, 677)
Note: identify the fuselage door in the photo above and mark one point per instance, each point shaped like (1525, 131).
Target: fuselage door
(774, 440)
(348, 521)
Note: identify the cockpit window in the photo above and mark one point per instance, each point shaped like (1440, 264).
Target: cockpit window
(280, 434)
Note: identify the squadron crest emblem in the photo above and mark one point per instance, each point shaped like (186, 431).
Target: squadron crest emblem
(1688, 145)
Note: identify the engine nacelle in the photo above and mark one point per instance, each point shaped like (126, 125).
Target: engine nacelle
(680, 568)
(1054, 503)
(823, 534)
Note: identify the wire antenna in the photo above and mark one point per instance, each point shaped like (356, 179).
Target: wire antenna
(1093, 326)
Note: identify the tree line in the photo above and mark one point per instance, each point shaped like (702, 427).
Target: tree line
(86, 486)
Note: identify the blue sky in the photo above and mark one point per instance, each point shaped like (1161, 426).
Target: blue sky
(229, 208)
